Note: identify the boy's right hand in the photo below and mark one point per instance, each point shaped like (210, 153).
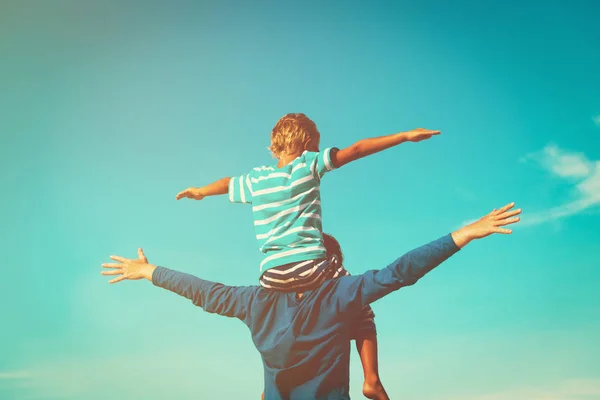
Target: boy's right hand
(190, 193)
(419, 134)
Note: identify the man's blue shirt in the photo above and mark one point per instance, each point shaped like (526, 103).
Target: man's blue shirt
(305, 342)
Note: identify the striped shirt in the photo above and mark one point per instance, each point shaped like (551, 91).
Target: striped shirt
(286, 206)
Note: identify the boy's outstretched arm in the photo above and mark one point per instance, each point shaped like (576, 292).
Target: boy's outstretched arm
(215, 188)
(366, 147)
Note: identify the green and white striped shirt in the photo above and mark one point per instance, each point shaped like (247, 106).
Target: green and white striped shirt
(286, 204)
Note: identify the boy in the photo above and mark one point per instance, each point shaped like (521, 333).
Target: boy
(286, 205)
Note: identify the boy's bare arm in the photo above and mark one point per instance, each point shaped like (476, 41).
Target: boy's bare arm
(219, 187)
(366, 147)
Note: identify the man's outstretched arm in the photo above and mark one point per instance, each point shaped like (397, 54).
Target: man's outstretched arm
(228, 301)
(412, 266)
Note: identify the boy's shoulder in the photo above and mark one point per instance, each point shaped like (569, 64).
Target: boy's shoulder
(267, 169)
(263, 169)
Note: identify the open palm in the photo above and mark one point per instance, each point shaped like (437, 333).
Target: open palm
(132, 269)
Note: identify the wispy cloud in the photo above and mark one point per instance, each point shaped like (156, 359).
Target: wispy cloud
(13, 375)
(596, 119)
(576, 170)
(183, 371)
(572, 389)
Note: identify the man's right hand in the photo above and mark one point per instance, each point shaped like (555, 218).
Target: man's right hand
(131, 269)
(488, 224)
(419, 134)
(190, 193)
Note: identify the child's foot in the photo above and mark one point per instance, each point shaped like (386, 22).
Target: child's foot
(373, 389)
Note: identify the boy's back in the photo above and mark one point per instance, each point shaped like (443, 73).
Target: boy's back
(285, 198)
(286, 206)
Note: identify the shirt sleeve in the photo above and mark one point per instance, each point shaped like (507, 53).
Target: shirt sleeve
(405, 271)
(320, 162)
(240, 189)
(228, 301)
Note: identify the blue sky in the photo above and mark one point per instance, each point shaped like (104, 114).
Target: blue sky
(108, 109)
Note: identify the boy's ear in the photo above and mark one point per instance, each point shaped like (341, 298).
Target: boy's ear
(310, 145)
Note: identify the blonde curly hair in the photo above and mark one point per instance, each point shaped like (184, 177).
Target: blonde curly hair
(293, 134)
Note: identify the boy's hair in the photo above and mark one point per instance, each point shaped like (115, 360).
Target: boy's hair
(292, 133)
(333, 248)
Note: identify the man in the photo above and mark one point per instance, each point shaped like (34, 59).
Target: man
(304, 338)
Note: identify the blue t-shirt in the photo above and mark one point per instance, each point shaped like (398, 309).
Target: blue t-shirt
(305, 342)
(286, 206)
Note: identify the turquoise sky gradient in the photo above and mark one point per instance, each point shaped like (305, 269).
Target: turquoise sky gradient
(107, 110)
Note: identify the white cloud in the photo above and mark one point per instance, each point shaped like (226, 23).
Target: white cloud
(577, 170)
(596, 119)
(562, 163)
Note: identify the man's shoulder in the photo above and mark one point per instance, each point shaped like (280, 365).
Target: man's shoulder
(332, 287)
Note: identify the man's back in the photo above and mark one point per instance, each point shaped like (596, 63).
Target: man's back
(304, 342)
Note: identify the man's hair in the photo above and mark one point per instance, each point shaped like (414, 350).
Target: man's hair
(333, 248)
(292, 133)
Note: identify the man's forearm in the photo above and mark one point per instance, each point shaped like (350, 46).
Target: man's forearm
(406, 270)
(462, 237)
(183, 284)
(213, 297)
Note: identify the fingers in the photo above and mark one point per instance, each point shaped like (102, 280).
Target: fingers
(505, 208)
(141, 255)
(503, 231)
(112, 265)
(182, 194)
(508, 221)
(120, 259)
(429, 131)
(119, 279)
(114, 272)
(510, 213)
(424, 137)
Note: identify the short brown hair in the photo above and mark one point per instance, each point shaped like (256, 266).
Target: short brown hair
(294, 133)
(332, 246)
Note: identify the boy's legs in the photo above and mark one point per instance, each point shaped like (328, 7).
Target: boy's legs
(365, 335)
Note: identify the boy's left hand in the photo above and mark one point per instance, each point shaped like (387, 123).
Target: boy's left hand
(419, 134)
(190, 193)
